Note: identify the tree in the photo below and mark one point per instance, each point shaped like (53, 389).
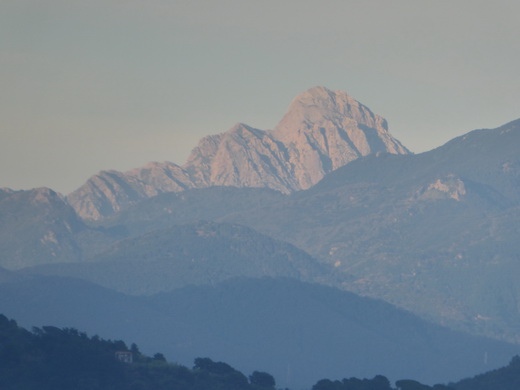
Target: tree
(204, 364)
(327, 384)
(262, 379)
(409, 384)
(159, 356)
(380, 382)
(218, 368)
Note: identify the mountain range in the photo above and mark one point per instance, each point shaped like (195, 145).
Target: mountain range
(328, 197)
(322, 131)
(436, 233)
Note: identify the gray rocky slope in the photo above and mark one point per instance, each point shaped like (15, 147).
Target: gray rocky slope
(322, 131)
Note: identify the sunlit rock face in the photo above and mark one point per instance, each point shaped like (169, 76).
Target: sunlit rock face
(324, 130)
(321, 131)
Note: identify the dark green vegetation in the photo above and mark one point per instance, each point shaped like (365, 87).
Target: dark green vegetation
(379, 382)
(62, 359)
(50, 358)
(298, 332)
(505, 378)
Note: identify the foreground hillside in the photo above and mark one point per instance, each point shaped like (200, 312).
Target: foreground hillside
(299, 332)
(65, 358)
(51, 358)
(504, 378)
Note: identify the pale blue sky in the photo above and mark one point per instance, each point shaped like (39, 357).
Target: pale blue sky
(113, 84)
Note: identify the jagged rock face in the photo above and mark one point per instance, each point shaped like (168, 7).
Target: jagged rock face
(243, 157)
(110, 191)
(322, 131)
(451, 187)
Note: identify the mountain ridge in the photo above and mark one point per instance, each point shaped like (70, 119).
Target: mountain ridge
(190, 254)
(435, 233)
(322, 131)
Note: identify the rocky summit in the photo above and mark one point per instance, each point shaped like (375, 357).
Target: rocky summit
(322, 131)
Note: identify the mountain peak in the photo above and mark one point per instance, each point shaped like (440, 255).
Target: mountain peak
(321, 95)
(242, 128)
(322, 131)
(319, 106)
(317, 92)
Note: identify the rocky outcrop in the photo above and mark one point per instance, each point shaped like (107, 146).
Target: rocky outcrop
(322, 131)
(37, 226)
(110, 191)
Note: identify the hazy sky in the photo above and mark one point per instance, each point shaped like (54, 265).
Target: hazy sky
(113, 84)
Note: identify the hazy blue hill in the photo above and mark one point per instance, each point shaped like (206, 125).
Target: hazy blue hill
(299, 332)
(197, 253)
(9, 276)
(38, 226)
(167, 209)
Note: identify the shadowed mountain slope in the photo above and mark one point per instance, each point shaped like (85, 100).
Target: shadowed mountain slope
(197, 253)
(38, 227)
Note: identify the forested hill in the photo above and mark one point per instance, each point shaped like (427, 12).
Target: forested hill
(50, 358)
(505, 378)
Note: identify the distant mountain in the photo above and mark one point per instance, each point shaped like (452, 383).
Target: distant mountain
(322, 131)
(176, 208)
(436, 233)
(9, 276)
(197, 253)
(38, 227)
(299, 332)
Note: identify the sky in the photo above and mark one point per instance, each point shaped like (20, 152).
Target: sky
(96, 85)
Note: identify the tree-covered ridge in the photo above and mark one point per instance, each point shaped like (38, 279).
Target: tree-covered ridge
(505, 378)
(50, 358)
(379, 382)
(64, 359)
